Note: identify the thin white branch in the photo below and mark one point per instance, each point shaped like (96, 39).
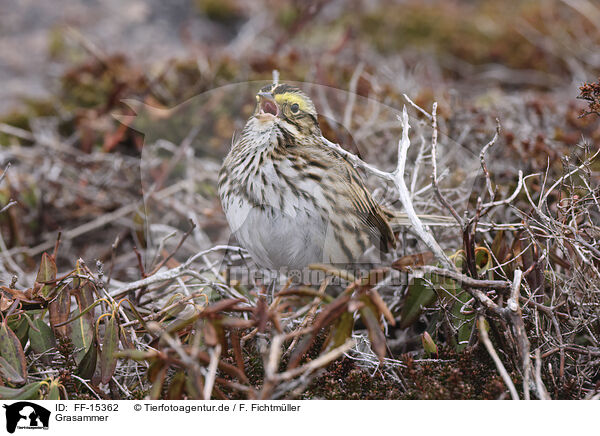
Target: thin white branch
(170, 274)
(513, 305)
(8, 206)
(484, 150)
(357, 162)
(417, 107)
(352, 96)
(566, 176)
(490, 348)
(215, 354)
(397, 178)
(17, 132)
(274, 357)
(509, 199)
(6, 168)
(317, 363)
(541, 389)
(83, 382)
(405, 198)
(513, 301)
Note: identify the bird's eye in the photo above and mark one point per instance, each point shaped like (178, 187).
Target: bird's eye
(295, 107)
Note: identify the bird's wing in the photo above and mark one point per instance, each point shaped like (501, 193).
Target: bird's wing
(367, 209)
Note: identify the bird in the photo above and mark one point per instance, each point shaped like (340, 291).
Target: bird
(289, 198)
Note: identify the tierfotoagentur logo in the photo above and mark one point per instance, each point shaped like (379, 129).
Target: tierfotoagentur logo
(26, 415)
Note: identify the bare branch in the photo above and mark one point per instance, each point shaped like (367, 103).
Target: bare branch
(466, 280)
(417, 107)
(509, 199)
(434, 180)
(8, 206)
(352, 95)
(215, 354)
(484, 150)
(405, 197)
(317, 363)
(490, 348)
(541, 389)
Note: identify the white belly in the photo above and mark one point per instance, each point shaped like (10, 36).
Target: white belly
(290, 233)
(276, 239)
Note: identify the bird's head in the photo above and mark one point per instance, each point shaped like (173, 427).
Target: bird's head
(287, 105)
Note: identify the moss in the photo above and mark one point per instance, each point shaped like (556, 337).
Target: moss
(223, 11)
(467, 375)
(287, 15)
(99, 83)
(57, 43)
(344, 380)
(476, 33)
(30, 108)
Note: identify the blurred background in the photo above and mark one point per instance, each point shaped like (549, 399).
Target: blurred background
(520, 45)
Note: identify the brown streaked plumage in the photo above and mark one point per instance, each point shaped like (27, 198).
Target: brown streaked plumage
(289, 198)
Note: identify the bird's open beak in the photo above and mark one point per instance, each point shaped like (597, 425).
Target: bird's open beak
(267, 104)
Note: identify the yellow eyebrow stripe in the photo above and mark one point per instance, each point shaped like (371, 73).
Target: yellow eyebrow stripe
(290, 99)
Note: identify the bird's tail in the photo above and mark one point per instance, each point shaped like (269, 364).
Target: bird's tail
(400, 219)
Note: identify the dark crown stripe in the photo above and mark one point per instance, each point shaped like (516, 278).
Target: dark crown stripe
(283, 88)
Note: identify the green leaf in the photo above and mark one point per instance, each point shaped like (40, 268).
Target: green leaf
(59, 310)
(342, 329)
(376, 336)
(42, 340)
(157, 386)
(54, 390)
(87, 366)
(110, 345)
(177, 386)
(419, 295)
(21, 329)
(46, 273)
(429, 344)
(138, 355)
(78, 314)
(193, 387)
(463, 322)
(459, 258)
(82, 335)
(12, 358)
(27, 392)
(483, 260)
(154, 369)
(10, 372)
(173, 311)
(85, 297)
